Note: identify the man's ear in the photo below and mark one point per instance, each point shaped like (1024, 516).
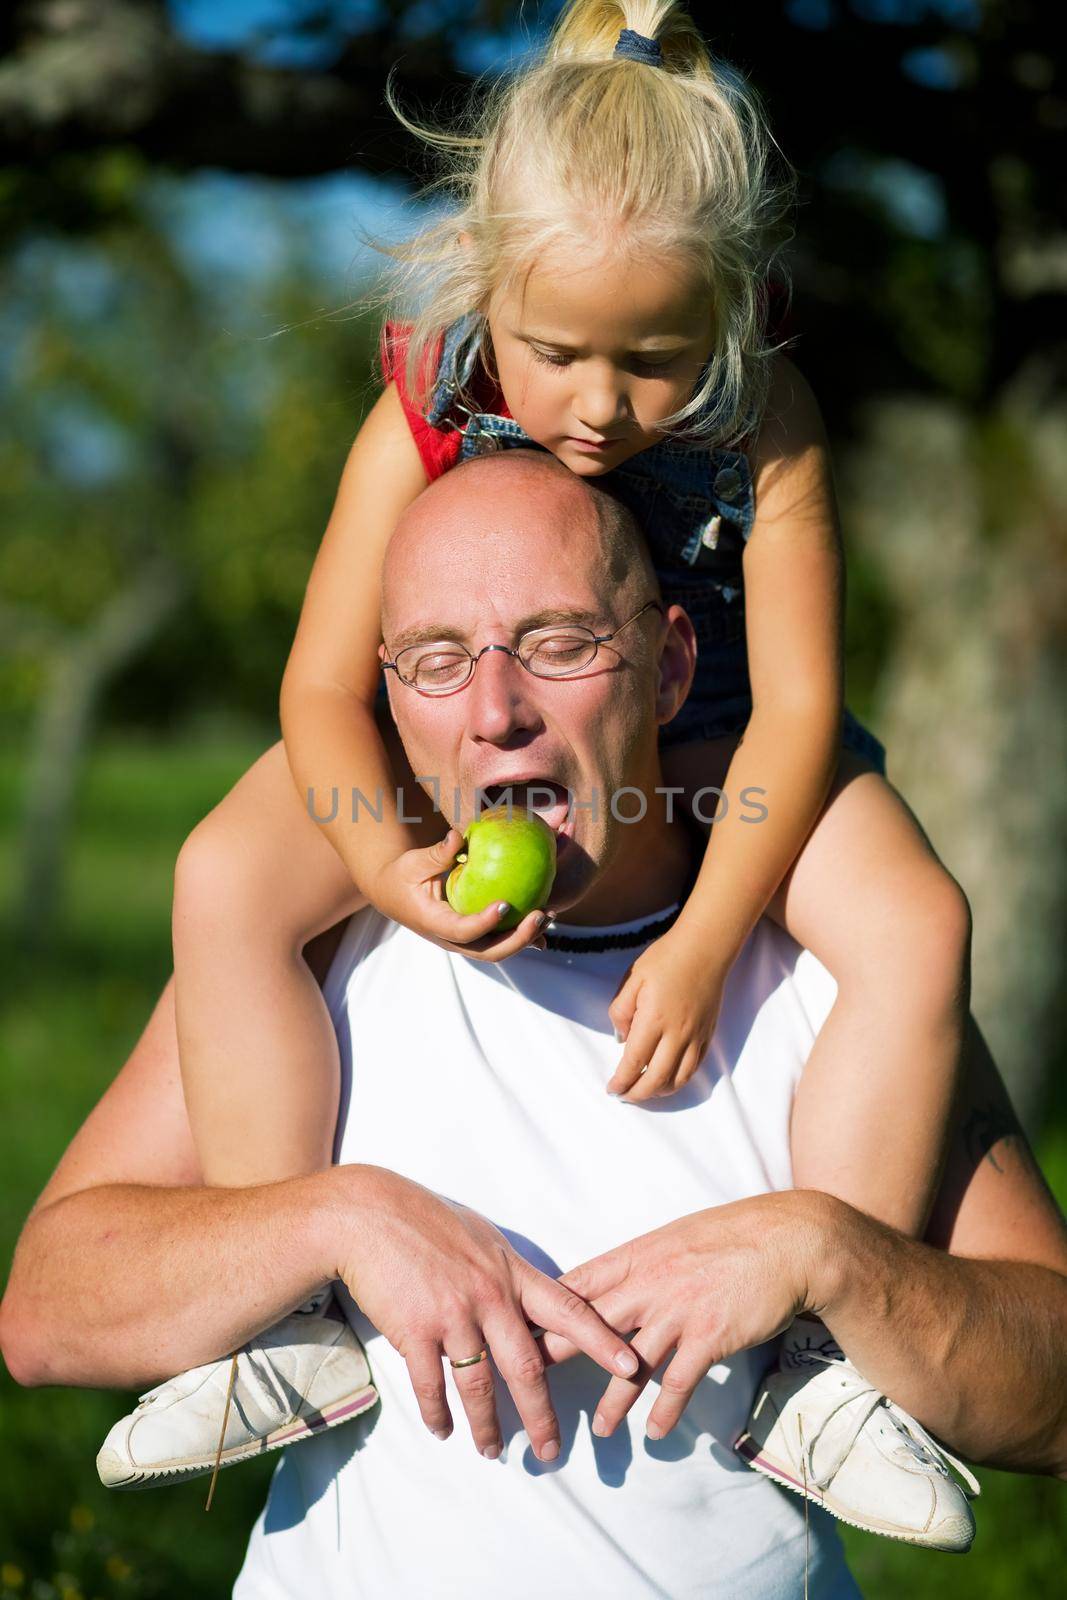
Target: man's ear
(677, 664)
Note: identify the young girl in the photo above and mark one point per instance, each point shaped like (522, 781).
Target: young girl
(600, 294)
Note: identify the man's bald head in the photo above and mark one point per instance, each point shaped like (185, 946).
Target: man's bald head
(486, 507)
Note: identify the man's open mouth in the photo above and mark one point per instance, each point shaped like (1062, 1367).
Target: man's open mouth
(550, 800)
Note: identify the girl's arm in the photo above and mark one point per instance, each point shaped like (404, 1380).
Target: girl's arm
(794, 588)
(328, 691)
(331, 735)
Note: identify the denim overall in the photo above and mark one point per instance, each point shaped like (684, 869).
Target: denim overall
(696, 507)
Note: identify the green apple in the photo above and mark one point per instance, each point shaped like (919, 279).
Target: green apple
(510, 854)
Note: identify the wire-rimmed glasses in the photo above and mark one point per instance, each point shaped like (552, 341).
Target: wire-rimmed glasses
(558, 651)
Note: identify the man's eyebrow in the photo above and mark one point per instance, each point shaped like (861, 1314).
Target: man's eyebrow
(537, 619)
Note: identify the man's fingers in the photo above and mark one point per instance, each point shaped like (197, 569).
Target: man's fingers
(652, 1345)
(521, 1364)
(598, 1275)
(428, 1382)
(560, 1310)
(557, 1348)
(476, 1388)
(690, 1366)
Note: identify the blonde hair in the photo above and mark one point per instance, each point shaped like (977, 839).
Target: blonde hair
(587, 145)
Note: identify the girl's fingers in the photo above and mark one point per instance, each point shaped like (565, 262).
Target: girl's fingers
(622, 1008)
(659, 1078)
(498, 946)
(479, 934)
(641, 1045)
(453, 928)
(435, 859)
(428, 1382)
(691, 1059)
(652, 1346)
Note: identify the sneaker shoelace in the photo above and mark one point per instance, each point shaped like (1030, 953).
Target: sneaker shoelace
(257, 1374)
(266, 1385)
(922, 1446)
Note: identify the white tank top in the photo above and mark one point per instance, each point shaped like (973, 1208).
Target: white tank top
(486, 1084)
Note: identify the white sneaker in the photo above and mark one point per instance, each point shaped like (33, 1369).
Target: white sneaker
(307, 1373)
(819, 1428)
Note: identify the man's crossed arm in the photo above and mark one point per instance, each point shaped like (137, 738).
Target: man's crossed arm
(128, 1270)
(967, 1331)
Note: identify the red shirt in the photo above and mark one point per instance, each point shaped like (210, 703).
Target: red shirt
(439, 446)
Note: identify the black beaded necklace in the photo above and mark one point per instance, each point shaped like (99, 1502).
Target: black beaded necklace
(610, 941)
(572, 944)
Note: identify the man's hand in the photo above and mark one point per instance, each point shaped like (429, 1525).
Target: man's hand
(665, 1009)
(438, 1280)
(410, 890)
(706, 1286)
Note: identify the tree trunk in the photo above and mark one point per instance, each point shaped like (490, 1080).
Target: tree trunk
(82, 670)
(966, 519)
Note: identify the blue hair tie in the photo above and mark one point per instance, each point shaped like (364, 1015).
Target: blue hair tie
(635, 47)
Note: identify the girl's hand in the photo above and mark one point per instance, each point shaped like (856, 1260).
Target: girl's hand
(665, 1009)
(411, 891)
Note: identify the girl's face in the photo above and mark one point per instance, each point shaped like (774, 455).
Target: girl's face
(591, 357)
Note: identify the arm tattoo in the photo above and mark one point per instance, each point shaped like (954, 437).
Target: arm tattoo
(985, 1127)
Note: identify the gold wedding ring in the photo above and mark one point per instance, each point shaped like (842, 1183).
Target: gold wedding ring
(470, 1361)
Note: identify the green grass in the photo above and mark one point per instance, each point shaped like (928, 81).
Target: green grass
(65, 1026)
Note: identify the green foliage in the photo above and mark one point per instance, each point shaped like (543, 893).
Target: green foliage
(137, 420)
(65, 1029)
(937, 301)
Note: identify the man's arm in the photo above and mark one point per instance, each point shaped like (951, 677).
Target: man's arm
(126, 1270)
(972, 1342)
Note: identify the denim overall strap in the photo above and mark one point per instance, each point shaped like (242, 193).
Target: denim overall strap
(459, 354)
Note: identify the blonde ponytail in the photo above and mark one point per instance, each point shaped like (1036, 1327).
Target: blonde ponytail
(590, 31)
(585, 145)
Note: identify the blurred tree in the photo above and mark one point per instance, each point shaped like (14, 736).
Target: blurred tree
(182, 524)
